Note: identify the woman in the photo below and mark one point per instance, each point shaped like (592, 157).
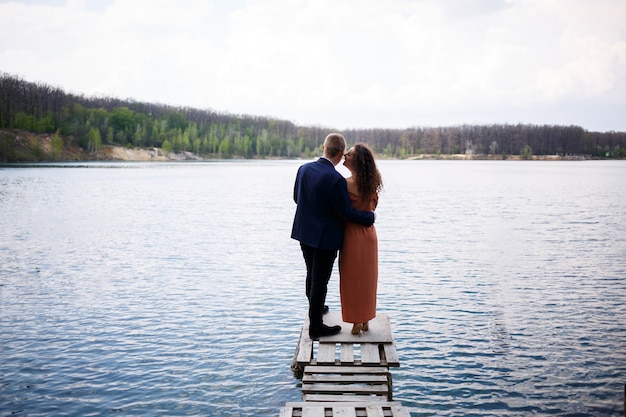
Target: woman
(358, 258)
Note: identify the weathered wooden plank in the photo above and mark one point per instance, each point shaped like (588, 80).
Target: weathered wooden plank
(361, 408)
(379, 329)
(313, 412)
(286, 412)
(341, 411)
(347, 385)
(326, 353)
(399, 411)
(305, 349)
(374, 411)
(342, 398)
(321, 369)
(384, 323)
(370, 354)
(391, 354)
(373, 387)
(328, 378)
(358, 404)
(378, 389)
(347, 353)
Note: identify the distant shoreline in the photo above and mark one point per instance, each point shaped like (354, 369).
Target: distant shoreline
(26, 147)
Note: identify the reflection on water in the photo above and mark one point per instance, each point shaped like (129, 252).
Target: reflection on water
(174, 289)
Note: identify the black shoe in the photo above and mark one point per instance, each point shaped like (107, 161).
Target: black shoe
(325, 309)
(324, 331)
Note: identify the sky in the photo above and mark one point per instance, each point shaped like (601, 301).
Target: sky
(342, 64)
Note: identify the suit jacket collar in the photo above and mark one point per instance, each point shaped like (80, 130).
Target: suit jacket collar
(323, 158)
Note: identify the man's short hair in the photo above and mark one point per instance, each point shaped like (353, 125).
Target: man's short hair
(334, 144)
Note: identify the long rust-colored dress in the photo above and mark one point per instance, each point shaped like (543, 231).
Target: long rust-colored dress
(358, 265)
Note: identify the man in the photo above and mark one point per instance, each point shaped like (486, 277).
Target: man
(322, 207)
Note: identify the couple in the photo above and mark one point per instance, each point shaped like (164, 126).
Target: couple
(329, 208)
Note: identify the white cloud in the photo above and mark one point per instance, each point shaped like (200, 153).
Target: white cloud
(375, 63)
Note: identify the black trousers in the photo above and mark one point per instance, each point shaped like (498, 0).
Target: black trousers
(319, 267)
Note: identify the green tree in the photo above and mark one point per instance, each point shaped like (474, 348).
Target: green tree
(177, 120)
(45, 123)
(245, 146)
(262, 143)
(527, 152)
(25, 121)
(122, 118)
(186, 141)
(94, 141)
(139, 138)
(110, 135)
(224, 149)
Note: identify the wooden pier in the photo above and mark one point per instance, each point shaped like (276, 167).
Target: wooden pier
(346, 374)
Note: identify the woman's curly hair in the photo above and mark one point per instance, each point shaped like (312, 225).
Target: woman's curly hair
(368, 179)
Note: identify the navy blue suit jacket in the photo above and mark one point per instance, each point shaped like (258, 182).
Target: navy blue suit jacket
(323, 205)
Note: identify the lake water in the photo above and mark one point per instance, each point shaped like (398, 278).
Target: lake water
(174, 288)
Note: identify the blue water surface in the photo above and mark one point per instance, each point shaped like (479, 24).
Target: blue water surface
(174, 289)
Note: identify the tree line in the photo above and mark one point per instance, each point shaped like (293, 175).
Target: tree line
(93, 122)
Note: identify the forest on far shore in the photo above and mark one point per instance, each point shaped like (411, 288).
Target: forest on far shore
(80, 127)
